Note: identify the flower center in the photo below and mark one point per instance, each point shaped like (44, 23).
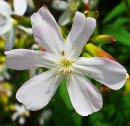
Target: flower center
(73, 6)
(64, 65)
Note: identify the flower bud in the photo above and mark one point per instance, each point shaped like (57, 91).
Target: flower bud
(86, 13)
(85, 54)
(24, 21)
(2, 42)
(96, 51)
(127, 85)
(102, 39)
(94, 14)
(89, 14)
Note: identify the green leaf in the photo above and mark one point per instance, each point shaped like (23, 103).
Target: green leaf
(64, 113)
(119, 32)
(118, 10)
(65, 96)
(121, 21)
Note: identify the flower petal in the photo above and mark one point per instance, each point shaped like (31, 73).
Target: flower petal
(38, 91)
(10, 38)
(22, 120)
(15, 116)
(46, 32)
(20, 6)
(28, 30)
(82, 29)
(60, 5)
(4, 28)
(22, 59)
(103, 70)
(84, 96)
(65, 18)
(5, 8)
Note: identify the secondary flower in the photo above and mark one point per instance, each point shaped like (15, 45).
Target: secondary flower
(7, 24)
(69, 8)
(63, 61)
(21, 113)
(45, 116)
(3, 73)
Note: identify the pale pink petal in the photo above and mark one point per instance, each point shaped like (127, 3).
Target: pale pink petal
(60, 5)
(20, 6)
(22, 59)
(103, 70)
(82, 29)
(5, 8)
(84, 96)
(38, 91)
(46, 31)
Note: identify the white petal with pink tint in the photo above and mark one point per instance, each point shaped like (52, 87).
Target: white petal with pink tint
(38, 91)
(22, 59)
(81, 30)
(103, 70)
(51, 39)
(84, 96)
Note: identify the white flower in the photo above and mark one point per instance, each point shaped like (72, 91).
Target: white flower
(62, 58)
(3, 72)
(46, 114)
(21, 113)
(69, 8)
(8, 24)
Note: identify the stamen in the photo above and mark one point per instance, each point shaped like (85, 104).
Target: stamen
(64, 65)
(62, 53)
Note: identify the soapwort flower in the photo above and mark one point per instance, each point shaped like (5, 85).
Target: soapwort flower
(20, 112)
(63, 61)
(8, 24)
